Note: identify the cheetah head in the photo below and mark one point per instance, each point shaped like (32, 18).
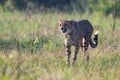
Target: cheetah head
(66, 26)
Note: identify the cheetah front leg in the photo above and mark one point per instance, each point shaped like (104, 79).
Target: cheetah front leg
(75, 54)
(68, 53)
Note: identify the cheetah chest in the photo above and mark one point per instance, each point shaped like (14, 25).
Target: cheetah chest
(71, 40)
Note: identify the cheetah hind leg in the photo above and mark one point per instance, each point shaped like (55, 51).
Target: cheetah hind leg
(85, 50)
(86, 56)
(82, 44)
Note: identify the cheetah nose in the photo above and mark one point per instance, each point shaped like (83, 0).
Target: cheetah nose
(62, 28)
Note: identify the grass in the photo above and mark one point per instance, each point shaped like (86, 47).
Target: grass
(49, 66)
(33, 48)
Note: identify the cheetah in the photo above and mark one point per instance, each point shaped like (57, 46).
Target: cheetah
(77, 34)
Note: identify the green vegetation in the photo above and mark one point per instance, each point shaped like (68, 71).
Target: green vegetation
(103, 6)
(32, 46)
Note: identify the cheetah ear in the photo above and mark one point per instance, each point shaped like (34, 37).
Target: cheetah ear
(60, 22)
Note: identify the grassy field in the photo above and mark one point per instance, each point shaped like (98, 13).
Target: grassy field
(32, 48)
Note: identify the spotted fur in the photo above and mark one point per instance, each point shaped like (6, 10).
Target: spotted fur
(78, 34)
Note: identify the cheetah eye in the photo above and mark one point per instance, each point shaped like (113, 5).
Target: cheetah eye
(60, 25)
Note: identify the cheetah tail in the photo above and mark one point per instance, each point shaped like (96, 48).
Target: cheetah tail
(95, 43)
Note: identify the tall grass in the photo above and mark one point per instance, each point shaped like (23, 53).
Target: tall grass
(32, 48)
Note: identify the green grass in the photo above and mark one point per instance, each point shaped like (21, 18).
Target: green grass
(49, 66)
(33, 49)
